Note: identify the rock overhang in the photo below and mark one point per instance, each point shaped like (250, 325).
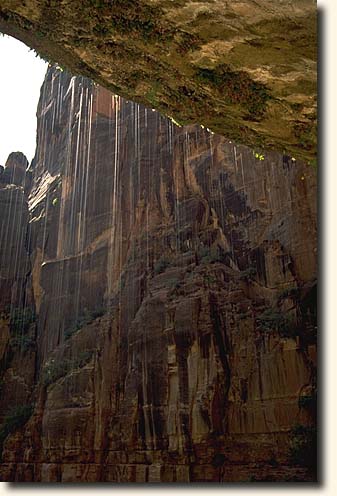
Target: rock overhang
(244, 69)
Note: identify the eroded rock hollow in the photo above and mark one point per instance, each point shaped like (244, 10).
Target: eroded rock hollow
(244, 69)
(158, 318)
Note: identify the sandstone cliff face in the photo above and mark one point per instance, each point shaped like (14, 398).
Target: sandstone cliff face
(244, 69)
(17, 329)
(173, 275)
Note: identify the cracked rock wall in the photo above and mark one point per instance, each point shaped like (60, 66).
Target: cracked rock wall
(172, 278)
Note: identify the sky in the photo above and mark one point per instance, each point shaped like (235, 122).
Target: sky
(21, 77)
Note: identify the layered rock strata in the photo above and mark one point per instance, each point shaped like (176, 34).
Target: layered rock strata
(173, 278)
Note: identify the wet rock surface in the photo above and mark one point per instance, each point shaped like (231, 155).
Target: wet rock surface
(17, 328)
(173, 276)
(244, 69)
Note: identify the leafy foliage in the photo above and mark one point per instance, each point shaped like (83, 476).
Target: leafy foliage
(21, 319)
(303, 446)
(272, 320)
(209, 279)
(209, 255)
(15, 419)
(161, 265)
(308, 401)
(54, 370)
(237, 87)
(86, 318)
(258, 155)
(247, 274)
(290, 293)
(23, 342)
(174, 121)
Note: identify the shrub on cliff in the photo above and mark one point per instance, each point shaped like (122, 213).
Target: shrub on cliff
(308, 401)
(161, 265)
(208, 254)
(14, 420)
(303, 446)
(86, 318)
(273, 320)
(23, 342)
(54, 370)
(21, 319)
(248, 274)
(293, 293)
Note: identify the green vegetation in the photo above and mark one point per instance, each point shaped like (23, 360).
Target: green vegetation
(21, 319)
(258, 155)
(40, 34)
(86, 318)
(125, 18)
(151, 94)
(161, 265)
(23, 342)
(142, 39)
(55, 202)
(209, 279)
(174, 283)
(209, 255)
(244, 315)
(174, 121)
(273, 320)
(305, 133)
(237, 87)
(44, 56)
(54, 370)
(203, 251)
(303, 446)
(313, 163)
(14, 420)
(248, 274)
(308, 401)
(290, 293)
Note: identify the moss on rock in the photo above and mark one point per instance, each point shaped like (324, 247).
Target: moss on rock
(241, 69)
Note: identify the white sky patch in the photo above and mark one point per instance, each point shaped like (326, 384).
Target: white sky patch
(21, 77)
